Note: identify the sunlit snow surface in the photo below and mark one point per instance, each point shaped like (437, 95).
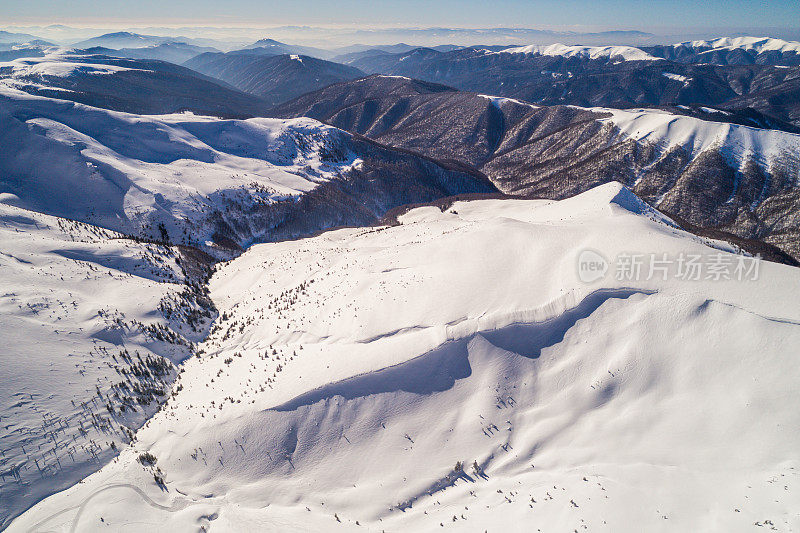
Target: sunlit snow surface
(350, 372)
(616, 53)
(738, 144)
(57, 62)
(73, 297)
(130, 172)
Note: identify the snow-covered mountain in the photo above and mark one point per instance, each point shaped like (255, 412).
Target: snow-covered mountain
(710, 173)
(588, 76)
(212, 183)
(452, 371)
(732, 50)
(98, 315)
(273, 47)
(613, 53)
(721, 51)
(756, 44)
(130, 85)
(399, 305)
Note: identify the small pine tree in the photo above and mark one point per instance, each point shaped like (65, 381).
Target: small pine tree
(477, 469)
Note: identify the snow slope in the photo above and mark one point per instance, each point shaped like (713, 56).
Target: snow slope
(350, 372)
(615, 53)
(59, 62)
(213, 183)
(768, 148)
(141, 170)
(79, 307)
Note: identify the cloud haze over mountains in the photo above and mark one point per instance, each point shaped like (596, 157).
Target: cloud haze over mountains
(323, 36)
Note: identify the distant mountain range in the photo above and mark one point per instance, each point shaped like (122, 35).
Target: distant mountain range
(732, 51)
(124, 39)
(172, 52)
(17, 38)
(275, 78)
(600, 76)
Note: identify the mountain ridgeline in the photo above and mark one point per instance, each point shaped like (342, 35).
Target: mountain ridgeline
(580, 79)
(274, 78)
(718, 175)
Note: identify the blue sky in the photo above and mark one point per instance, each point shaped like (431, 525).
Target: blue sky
(655, 16)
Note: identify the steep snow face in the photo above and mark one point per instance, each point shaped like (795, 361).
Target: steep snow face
(755, 44)
(350, 374)
(615, 53)
(92, 325)
(131, 172)
(740, 144)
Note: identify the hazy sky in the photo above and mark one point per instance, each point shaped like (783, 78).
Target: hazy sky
(657, 16)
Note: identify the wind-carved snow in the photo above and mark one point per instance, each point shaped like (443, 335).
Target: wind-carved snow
(452, 370)
(617, 53)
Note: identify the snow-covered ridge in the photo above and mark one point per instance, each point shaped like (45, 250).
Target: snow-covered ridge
(616, 53)
(60, 62)
(756, 44)
(127, 172)
(500, 100)
(737, 142)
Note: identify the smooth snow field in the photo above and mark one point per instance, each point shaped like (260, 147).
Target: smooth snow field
(453, 372)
